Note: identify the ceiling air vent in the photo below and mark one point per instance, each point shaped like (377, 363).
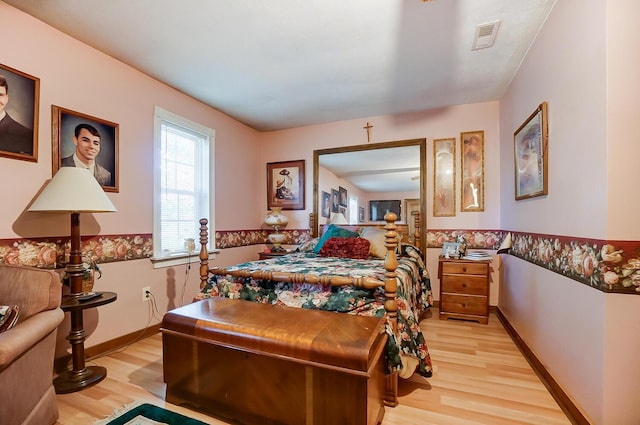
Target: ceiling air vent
(485, 35)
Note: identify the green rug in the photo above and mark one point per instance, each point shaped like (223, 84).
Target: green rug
(141, 415)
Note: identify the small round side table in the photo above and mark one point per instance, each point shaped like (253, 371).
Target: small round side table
(80, 376)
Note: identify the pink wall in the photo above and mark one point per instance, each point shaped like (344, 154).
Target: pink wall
(577, 332)
(299, 143)
(622, 373)
(78, 77)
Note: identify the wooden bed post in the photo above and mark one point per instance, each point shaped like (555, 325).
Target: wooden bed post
(204, 253)
(416, 228)
(390, 293)
(313, 226)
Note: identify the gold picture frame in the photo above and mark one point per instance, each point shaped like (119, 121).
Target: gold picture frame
(472, 175)
(444, 177)
(531, 142)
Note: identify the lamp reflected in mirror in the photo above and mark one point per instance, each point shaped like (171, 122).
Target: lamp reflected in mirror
(338, 218)
(506, 244)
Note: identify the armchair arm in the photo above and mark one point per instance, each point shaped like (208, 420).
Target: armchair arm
(24, 335)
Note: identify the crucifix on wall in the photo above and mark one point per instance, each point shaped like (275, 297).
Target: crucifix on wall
(368, 127)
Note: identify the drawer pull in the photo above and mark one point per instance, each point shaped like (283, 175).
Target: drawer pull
(464, 269)
(464, 285)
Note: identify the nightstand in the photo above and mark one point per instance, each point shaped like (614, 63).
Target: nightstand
(266, 255)
(464, 289)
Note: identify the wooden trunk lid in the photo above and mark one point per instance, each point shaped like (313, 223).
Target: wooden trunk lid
(327, 338)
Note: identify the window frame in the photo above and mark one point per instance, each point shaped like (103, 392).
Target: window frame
(161, 115)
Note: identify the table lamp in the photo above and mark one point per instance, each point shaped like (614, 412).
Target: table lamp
(73, 190)
(338, 218)
(276, 219)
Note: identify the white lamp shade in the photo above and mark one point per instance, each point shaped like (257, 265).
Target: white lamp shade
(339, 218)
(73, 189)
(506, 244)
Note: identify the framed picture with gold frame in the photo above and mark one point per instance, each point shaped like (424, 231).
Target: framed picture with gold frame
(530, 155)
(444, 177)
(472, 175)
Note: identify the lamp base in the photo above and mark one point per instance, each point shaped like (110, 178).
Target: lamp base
(75, 380)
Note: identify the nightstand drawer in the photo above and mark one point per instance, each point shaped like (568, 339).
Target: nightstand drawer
(463, 304)
(464, 268)
(462, 284)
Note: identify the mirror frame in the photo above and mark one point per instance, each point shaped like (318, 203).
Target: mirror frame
(421, 143)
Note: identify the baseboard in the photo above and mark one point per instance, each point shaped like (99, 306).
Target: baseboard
(98, 350)
(561, 397)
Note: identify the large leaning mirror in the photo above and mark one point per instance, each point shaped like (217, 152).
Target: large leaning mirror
(357, 184)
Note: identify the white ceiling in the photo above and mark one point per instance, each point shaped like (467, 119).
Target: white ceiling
(288, 63)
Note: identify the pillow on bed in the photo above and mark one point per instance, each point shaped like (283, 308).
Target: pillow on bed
(346, 248)
(334, 231)
(376, 237)
(308, 246)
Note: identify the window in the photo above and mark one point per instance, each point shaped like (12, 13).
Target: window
(353, 209)
(183, 186)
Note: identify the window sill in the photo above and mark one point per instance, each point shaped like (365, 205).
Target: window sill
(179, 259)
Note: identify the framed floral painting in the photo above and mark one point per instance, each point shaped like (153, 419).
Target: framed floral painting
(530, 155)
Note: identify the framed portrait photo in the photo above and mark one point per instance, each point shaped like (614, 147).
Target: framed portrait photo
(335, 200)
(325, 211)
(530, 155)
(285, 185)
(80, 140)
(472, 175)
(19, 99)
(343, 196)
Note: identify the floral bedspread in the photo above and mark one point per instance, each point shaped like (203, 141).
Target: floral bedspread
(407, 350)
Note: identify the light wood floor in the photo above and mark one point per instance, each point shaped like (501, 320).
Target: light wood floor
(479, 377)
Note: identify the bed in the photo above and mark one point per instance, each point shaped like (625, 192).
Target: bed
(395, 287)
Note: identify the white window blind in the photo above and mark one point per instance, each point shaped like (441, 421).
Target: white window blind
(183, 183)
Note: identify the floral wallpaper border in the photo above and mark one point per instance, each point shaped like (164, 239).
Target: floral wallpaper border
(52, 252)
(236, 238)
(609, 266)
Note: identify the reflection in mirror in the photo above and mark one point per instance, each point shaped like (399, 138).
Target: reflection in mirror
(393, 171)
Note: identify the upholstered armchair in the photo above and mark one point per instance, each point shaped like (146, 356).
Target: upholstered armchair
(27, 349)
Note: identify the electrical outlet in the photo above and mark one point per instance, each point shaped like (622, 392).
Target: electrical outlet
(146, 291)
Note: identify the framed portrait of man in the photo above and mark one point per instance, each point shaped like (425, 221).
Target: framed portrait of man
(326, 204)
(19, 98)
(80, 140)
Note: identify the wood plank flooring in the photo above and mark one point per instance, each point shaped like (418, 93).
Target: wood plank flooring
(479, 377)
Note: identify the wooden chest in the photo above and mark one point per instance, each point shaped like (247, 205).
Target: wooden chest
(269, 364)
(464, 289)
